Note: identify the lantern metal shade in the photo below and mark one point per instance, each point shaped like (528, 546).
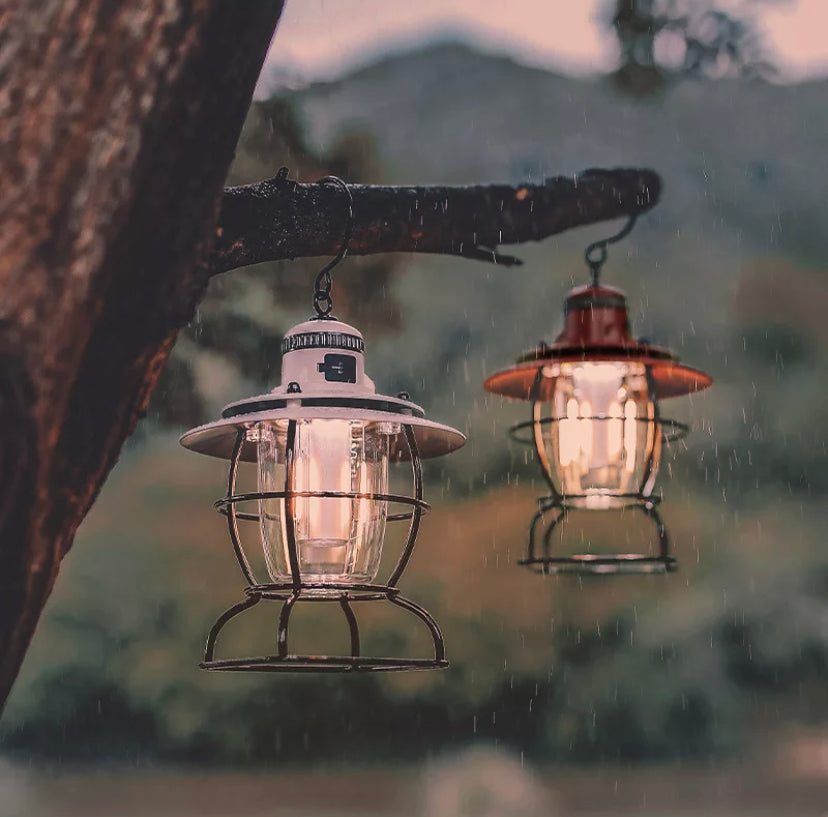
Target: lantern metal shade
(669, 377)
(218, 439)
(316, 397)
(596, 331)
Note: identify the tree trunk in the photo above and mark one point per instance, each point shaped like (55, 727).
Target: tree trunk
(118, 125)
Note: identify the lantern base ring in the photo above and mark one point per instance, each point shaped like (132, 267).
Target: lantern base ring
(596, 564)
(318, 591)
(321, 663)
(344, 595)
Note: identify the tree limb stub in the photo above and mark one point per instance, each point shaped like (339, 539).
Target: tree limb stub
(282, 219)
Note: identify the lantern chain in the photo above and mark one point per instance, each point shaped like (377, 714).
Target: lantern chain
(322, 302)
(596, 253)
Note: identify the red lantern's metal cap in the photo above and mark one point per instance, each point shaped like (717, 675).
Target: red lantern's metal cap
(595, 316)
(596, 328)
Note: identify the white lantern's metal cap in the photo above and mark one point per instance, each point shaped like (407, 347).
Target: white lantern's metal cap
(324, 355)
(323, 377)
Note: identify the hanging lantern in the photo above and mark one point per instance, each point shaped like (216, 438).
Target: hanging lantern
(596, 425)
(323, 443)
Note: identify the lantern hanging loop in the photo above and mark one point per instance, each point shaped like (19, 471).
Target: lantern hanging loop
(322, 302)
(596, 253)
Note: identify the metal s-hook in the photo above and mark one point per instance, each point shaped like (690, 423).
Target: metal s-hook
(322, 302)
(596, 253)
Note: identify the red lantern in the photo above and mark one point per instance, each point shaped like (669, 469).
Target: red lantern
(596, 423)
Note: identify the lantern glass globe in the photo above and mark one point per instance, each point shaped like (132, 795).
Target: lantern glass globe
(338, 536)
(598, 436)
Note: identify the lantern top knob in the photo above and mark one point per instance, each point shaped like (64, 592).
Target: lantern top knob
(323, 355)
(595, 316)
(332, 326)
(589, 296)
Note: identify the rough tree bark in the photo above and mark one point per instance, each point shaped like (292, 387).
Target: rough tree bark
(118, 121)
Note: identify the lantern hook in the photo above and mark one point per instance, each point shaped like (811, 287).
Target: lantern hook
(322, 302)
(596, 253)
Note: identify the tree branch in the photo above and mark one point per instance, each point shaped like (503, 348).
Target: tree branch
(280, 219)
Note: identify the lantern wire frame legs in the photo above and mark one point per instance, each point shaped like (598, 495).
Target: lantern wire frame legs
(554, 511)
(345, 596)
(542, 560)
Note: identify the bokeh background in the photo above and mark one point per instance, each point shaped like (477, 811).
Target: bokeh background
(702, 691)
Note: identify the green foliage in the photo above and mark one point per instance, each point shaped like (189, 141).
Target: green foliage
(651, 669)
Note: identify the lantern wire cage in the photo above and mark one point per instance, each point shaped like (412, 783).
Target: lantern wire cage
(343, 595)
(554, 509)
(596, 331)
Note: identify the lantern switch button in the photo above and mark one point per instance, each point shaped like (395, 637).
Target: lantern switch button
(338, 368)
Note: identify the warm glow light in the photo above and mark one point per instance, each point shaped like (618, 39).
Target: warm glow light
(597, 437)
(337, 538)
(325, 466)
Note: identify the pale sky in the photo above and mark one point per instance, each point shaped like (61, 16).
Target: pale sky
(320, 39)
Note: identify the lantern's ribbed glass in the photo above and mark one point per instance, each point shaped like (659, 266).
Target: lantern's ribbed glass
(338, 539)
(598, 437)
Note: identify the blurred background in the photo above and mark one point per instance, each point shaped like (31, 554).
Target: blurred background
(702, 691)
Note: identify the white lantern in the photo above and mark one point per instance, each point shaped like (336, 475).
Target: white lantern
(323, 443)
